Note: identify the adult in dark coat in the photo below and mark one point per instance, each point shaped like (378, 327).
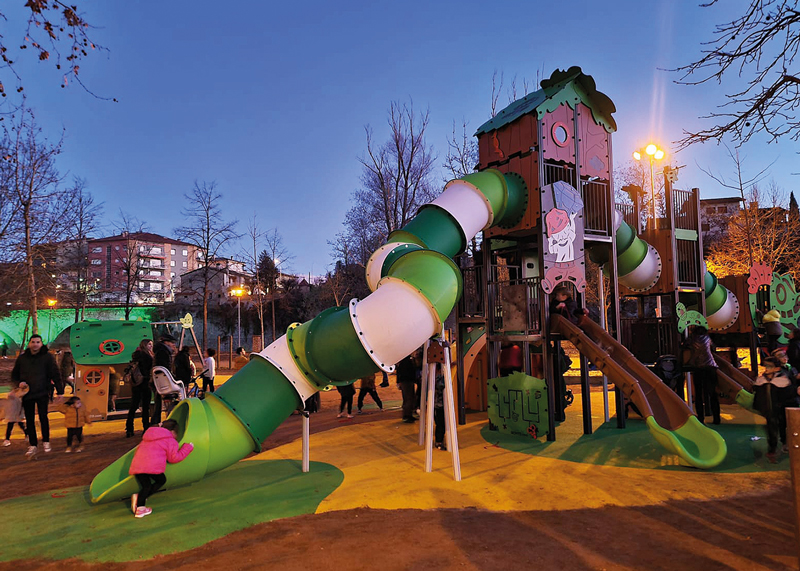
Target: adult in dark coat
(37, 367)
(703, 367)
(163, 352)
(184, 368)
(406, 377)
(140, 395)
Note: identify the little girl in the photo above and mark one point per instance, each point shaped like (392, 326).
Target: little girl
(159, 446)
(14, 412)
(75, 418)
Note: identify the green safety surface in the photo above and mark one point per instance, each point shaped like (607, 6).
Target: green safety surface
(63, 524)
(634, 447)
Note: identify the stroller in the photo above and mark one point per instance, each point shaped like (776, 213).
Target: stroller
(668, 369)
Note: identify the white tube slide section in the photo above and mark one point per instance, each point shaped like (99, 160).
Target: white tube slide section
(375, 263)
(467, 205)
(393, 322)
(279, 355)
(727, 314)
(646, 274)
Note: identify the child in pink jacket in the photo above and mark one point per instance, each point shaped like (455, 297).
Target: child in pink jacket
(159, 446)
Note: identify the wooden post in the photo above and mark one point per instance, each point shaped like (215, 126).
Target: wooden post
(793, 440)
(306, 438)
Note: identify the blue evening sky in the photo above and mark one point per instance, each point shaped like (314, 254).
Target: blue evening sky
(270, 99)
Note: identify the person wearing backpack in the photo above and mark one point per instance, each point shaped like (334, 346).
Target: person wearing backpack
(141, 366)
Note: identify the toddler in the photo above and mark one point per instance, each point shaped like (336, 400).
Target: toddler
(159, 446)
(75, 418)
(13, 411)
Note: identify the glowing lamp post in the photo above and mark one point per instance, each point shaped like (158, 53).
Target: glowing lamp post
(239, 292)
(653, 153)
(51, 303)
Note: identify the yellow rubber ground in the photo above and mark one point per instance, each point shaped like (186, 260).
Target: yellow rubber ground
(384, 469)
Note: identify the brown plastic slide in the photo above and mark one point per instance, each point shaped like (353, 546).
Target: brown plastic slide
(668, 418)
(733, 385)
(640, 384)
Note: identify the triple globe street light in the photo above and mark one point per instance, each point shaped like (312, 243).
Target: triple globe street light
(653, 154)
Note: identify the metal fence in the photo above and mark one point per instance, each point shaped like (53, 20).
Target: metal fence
(515, 305)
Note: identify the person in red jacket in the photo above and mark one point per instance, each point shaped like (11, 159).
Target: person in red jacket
(159, 446)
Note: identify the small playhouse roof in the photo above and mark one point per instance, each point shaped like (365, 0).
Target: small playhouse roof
(554, 91)
(107, 342)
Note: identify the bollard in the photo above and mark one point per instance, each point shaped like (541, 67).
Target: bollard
(793, 440)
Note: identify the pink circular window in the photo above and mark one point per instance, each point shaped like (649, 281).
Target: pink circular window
(560, 134)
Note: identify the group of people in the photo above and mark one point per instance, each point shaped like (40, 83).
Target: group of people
(35, 377)
(776, 389)
(163, 353)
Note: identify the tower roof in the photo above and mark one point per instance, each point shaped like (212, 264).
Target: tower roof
(567, 87)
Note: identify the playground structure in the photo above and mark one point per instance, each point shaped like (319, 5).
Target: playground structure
(102, 350)
(543, 199)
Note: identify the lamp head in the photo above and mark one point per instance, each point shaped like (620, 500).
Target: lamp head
(659, 154)
(651, 149)
(637, 155)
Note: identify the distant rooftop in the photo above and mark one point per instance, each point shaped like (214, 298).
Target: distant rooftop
(725, 200)
(142, 237)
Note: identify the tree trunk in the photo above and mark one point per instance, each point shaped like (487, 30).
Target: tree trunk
(205, 308)
(33, 309)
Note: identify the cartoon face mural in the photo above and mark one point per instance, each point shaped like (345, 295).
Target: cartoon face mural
(562, 207)
(561, 234)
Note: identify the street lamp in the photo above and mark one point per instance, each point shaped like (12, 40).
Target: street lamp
(239, 292)
(653, 153)
(51, 303)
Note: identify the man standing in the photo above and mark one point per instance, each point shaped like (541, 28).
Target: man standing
(37, 367)
(163, 353)
(406, 377)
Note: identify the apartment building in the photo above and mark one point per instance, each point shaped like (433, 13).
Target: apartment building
(152, 263)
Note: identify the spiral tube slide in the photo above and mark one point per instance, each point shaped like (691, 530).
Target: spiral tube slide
(638, 263)
(415, 286)
(722, 307)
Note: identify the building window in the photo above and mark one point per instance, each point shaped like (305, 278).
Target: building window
(172, 251)
(185, 252)
(185, 264)
(156, 250)
(97, 250)
(172, 274)
(97, 262)
(155, 287)
(172, 263)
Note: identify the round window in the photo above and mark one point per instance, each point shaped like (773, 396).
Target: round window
(93, 377)
(560, 134)
(112, 347)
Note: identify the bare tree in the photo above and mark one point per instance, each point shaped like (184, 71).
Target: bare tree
(250, 255)
(273, 260)
(73, 260)
(208, 232)
(759, 47)
(462, 153)
(740, 184)
(42, 208)
(762, 233)
(397, 178)
(131, 229)
(55, 32)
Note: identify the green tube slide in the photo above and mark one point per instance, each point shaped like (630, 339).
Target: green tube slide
(722, 307)
(638, 263)
(332, 348)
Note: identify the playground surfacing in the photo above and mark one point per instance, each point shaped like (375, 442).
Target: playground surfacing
(552, 508)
